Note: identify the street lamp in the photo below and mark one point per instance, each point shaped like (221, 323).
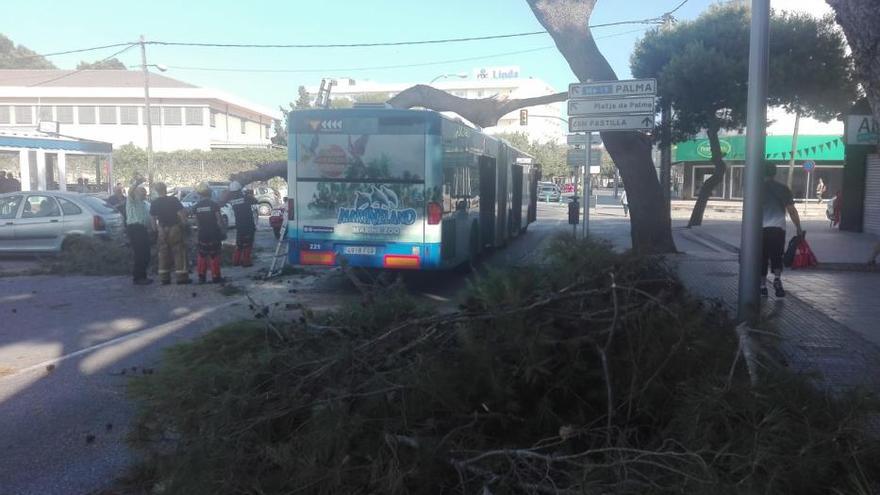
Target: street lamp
(446, 76)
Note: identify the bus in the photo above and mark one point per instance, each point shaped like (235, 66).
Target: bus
(401, 189)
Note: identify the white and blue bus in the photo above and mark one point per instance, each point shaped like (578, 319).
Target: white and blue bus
(401, 189)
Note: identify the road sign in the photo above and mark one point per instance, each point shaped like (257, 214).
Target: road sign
(809, 165)
(595, 169)
(523, 160)
(612, 106)
(577, 139)
(631, 87)
(615, 123)
(576, 158)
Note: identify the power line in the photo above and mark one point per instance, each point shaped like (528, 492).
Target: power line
(382, 67)
(676, 9)
(128, 47)
(653, 20)
(79, 50)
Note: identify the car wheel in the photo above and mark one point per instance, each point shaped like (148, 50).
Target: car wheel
(264, 209)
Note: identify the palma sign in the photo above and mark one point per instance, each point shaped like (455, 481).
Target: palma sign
(612, 106)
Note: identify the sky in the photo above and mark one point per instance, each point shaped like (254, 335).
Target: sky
(53, 25)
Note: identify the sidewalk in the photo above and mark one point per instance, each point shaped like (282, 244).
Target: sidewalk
(827, 325)
(834, 249)
(811, 210)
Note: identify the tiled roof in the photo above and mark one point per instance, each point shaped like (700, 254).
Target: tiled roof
(86, 79)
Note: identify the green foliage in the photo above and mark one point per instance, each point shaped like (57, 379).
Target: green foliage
(14, 56)
(595, 373)
(702, 67)
(551, 155)
(110, 64)
(188, 167)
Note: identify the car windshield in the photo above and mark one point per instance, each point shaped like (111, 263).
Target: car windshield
(97, 204)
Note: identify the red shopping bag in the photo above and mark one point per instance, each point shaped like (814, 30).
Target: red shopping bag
(804, 257)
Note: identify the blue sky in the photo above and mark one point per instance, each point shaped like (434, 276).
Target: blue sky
(54, 25)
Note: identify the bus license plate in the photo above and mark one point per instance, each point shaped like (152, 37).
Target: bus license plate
(364, 250)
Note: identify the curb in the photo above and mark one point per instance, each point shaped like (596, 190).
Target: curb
(831, 267)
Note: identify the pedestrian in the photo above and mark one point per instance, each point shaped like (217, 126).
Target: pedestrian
(873, 260)
(15, 184)
(117, 200)
(821, 188)
(139, 227)
(245, 227)
(625, 202)
(777, 200)
(210, 235)
(5, 185)
(169, 220)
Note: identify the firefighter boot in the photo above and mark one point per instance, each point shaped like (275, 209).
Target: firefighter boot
(201, 267)
(215, 270)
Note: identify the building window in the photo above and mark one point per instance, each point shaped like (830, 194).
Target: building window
(172, 115)
(86, 115)
(45, 114)
(64, 114)
(243, 126)
(24, 115)
(128, 115)
(193, 116)
(155, 116)
(4, 115)
(213, 118)
(107, 115)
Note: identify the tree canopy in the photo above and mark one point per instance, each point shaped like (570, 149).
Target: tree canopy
(702, 69)
(14, 56)
(108, 64)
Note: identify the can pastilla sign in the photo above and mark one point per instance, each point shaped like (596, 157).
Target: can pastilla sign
(612, 106)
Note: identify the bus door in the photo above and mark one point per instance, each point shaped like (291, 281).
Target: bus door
(516, 220)
(487, 200)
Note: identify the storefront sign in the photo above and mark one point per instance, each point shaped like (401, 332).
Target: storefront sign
(862, 129)
(704, 149)
(511, 72)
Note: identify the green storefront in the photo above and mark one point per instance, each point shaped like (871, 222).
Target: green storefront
(692, 165)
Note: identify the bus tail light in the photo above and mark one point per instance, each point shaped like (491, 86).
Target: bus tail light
(290, 205)
(435, 213)
(317, 258)
(401, 262)
(98, 224)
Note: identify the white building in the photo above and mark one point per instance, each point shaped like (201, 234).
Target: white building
(544, 121)
(108, 106)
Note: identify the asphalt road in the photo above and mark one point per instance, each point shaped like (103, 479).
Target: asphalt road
(68, 346)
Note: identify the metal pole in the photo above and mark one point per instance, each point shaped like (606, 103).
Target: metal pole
(794, 140)
(147, 113)
(749, 304)
(589, 148)
(807, 192)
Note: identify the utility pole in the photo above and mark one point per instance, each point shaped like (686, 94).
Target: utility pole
(147, 113)
(749, 304)
(666, 151)
(587, 184)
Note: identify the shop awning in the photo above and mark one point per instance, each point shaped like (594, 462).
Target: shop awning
(821, 148)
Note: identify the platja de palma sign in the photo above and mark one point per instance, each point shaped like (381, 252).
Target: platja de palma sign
(612, 106)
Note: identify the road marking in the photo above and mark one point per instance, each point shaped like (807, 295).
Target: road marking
(180, 322)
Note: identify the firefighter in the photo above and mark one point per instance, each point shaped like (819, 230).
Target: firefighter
(242, 207)
(169, 219)
(210, 235)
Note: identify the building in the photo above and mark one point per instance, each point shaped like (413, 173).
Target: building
(108, 106)
(545, 122)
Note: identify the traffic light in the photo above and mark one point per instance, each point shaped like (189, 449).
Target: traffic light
(523, 117)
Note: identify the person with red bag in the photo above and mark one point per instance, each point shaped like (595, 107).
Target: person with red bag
(776, 201)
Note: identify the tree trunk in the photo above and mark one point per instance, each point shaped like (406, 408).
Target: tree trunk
(794, 140)
(262, 173)
(567, 22)
(860, 19)
(713, 181)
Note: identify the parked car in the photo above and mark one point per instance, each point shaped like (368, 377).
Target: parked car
(41, 221)
(267, 199)
(549, 193)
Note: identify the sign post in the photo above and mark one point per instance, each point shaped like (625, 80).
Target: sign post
(809, 165)
(607, 106)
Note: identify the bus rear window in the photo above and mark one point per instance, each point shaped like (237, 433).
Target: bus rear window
(359, 157)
